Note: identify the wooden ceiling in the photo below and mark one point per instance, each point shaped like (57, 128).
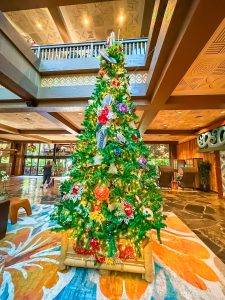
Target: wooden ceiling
(185, 84)
(79, 23)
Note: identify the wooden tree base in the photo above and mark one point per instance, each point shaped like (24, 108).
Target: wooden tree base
(143, 265)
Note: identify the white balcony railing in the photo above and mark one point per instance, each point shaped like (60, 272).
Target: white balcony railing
(84, 50)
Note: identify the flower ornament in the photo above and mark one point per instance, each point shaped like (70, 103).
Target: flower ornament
(122, 108)
(102, 119)
(128, 209)
(111, 116)
(115, 83)
(142, 160)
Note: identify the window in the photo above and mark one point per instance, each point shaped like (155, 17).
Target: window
(160, 154)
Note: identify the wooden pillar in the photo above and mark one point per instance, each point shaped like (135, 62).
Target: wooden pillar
(19, 159)
(218, 174)
(172, 152)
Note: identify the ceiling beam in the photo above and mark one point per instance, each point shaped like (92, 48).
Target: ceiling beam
(40, 131)
(60, 23)
(170, 132)
(8, 129)
(147, 17)
(156, 22)
(57, 119)
(212, 126)
(15, 5)
(195, 30)
(37, 137)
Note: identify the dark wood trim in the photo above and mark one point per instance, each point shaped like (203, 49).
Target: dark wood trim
(57, 119)
(60, 24)
(212, 126)
(147, 17)
(218, 174)
(10, 32)
(39, 131)
(161, 142)
(169, 131)
(15, 5)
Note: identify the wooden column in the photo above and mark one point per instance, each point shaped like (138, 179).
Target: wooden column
(172, 152)
(19, 159)
(218, 174)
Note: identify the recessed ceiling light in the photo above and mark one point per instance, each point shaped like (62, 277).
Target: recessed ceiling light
(121, 18)
(179, 112)
(222, 112)
(39, 25)
(80, 113)
(197, 125)
(165, 125)
(86, 21)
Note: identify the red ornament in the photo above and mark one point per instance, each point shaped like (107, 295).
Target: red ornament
(81, 250)
(101, 192)
(75, 189)
(134, 138)
(115, 83)
(134, 109)
(105, 112)
(126, 252)
(94, 244)
(128, 209)
(96, 207)
(99, 258)
(102, 119)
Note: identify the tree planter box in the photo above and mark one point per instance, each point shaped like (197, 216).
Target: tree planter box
(142, 265)
(4, 212)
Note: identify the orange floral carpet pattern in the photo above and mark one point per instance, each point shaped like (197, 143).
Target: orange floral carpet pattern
(184, 267)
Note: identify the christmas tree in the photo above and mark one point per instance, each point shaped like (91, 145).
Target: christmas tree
(112, 193)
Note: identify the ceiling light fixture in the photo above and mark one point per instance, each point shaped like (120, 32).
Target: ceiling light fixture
(39, 25)
(121, 18)
(222, 112)
(86, 21)
(80, 113)
(179, 112)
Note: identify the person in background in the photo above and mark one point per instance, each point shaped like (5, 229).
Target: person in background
(47, 173)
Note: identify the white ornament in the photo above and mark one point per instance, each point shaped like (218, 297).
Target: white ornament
(121, 138)
(111, 116)
(98, 158)
(112, 169)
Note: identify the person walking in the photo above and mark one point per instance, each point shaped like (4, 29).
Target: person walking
(47, 173)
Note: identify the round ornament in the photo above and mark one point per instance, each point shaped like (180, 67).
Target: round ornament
(100, 258)
(103, 62)
(101, 192)
(118, 151)
(134, 138)
(96, 207)
(94, 245)
(128, 209)
(75, 189)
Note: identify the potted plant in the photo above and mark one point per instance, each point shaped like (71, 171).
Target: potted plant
(4, 179)
(204, 173)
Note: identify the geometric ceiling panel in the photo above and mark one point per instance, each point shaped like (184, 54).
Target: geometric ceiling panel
(185, 119)
(26, 121)
(206, 76)
(37, 24)
(94, 21)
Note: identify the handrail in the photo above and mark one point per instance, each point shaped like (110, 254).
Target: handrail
(84, 50)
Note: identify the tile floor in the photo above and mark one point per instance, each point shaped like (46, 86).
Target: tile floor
(204, 213)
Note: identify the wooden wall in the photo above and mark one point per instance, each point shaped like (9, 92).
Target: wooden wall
(189, 150)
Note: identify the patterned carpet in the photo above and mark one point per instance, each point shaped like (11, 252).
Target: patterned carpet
(184, 267)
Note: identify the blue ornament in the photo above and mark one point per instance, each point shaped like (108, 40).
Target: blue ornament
(118, 151)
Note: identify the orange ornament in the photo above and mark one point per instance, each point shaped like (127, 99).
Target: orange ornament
(101, 192)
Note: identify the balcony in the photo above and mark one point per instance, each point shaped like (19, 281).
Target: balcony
(77, 57)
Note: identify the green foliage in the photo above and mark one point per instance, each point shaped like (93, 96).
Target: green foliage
(129, 175)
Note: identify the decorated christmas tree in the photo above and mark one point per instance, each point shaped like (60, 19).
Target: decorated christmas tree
(112, 195)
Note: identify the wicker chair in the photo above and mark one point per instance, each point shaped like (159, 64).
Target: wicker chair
(165, 176)
(188, 178)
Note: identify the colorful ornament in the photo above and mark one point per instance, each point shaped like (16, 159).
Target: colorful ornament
(111, 116)
(106, 56)
(115, 83)
(122, 107)
(118, 151)
(148, 213)
(132, 125)
(100, 258)
(94, 245)
(142, 160)
(126, 252)
(121, 138)
(102, 119)
(75, 189)
(96, 207)
(128, 209)
(101, 192)
(134, 138)
(101, 137)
